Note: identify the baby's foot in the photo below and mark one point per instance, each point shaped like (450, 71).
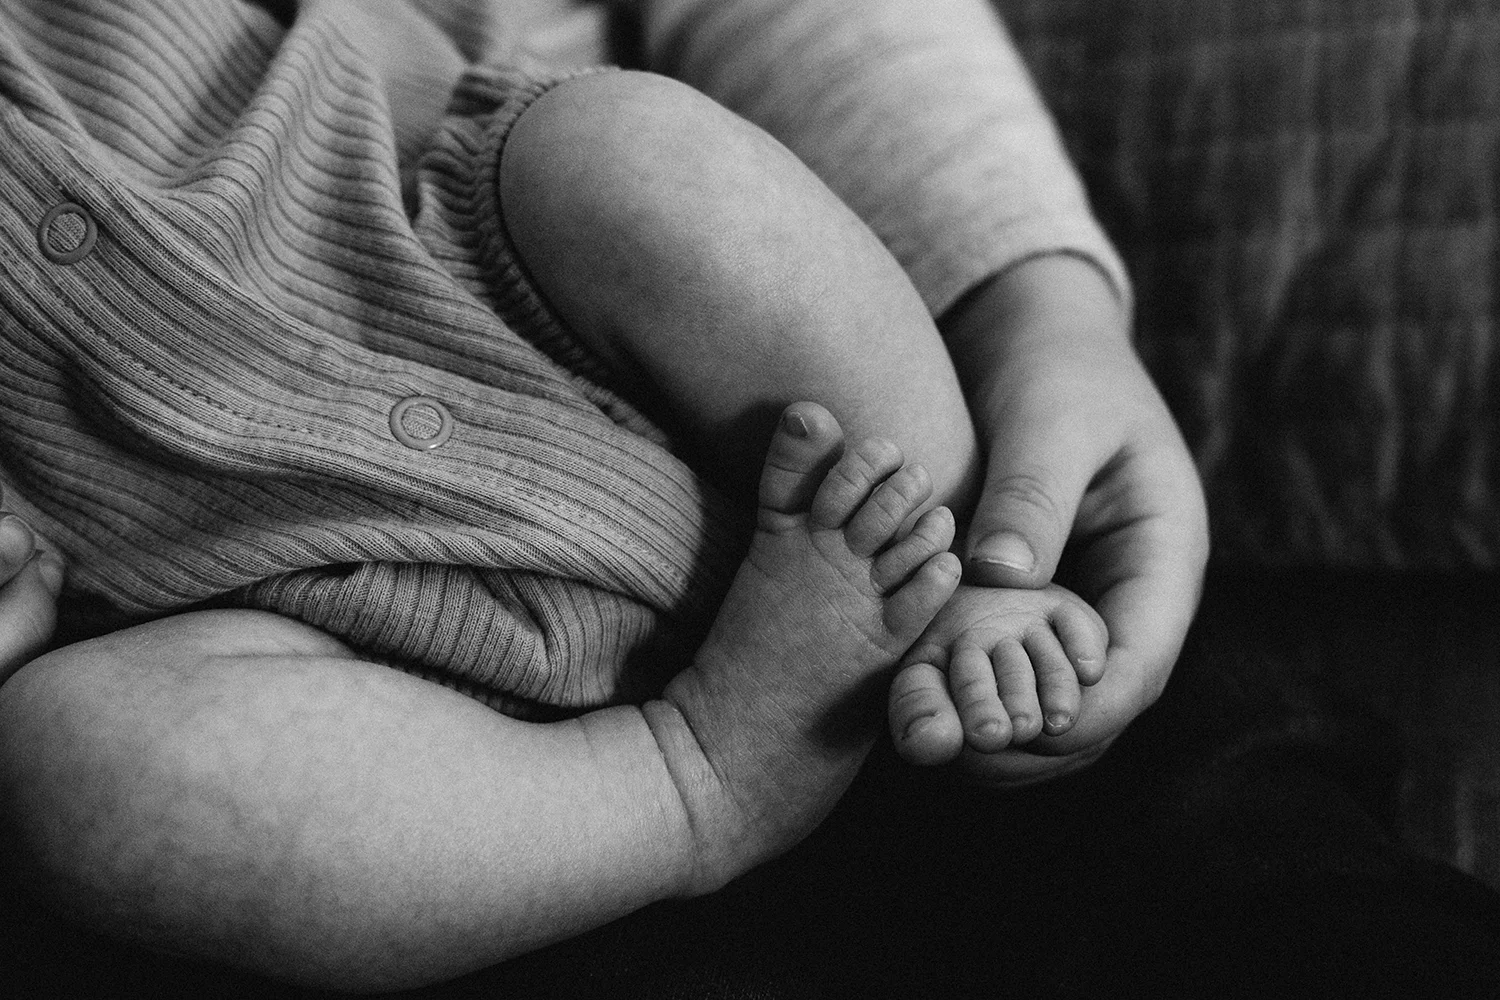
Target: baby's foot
(827, 600)
(826, 584)
(996, 668)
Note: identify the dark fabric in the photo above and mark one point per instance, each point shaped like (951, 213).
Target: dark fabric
(1232, 845)
(1236, 842)
(1305, 194)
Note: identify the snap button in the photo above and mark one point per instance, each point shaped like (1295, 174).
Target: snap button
(421, 422)
(67, 233)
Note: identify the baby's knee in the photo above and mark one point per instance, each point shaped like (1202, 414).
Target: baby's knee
(625, 130)
(639, 156)
(613, 113)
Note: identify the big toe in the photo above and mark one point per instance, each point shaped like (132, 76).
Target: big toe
(925, 727)
(807, 443)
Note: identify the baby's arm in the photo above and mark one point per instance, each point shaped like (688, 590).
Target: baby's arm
(997, 668)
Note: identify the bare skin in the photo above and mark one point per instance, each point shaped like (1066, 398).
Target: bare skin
(240, 787)
(722, 278)
(996, 669)
(741, 757)
(31, 577)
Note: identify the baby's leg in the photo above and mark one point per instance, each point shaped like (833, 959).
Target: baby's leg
(826, 601)
(716, 273)
(995, 669)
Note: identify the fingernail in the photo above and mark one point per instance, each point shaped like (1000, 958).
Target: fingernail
(16, 540)
(1006, 549)
(52, 571)
(795, 425)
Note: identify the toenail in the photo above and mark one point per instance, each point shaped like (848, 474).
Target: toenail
(990, 730)
(1057, 720)
(916, 726)
(1008, 550)
(795, 424)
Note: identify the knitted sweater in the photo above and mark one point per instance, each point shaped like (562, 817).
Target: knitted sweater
(266, 345)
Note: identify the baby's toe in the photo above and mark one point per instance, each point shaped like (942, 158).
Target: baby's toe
(852, 479)
(1085, 640)
(971, 678)
(805, 445)
(911, 607)
(924, 724)
(933, 533)
(1016, 681)
(878, 520)
(1057, 690)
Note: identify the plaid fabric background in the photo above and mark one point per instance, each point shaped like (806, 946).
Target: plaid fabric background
(1306, 194)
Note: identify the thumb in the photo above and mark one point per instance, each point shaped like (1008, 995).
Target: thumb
(1032, 489)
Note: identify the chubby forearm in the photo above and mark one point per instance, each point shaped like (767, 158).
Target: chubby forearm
(242, 788)
(919, 113)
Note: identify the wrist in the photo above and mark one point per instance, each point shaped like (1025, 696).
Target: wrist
(1019, 320)
(1051, 283)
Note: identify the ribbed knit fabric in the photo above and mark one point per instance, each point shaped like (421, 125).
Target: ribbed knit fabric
(199, 410)
(918, 113)
(296, 230)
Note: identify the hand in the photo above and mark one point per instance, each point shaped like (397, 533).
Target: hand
(31, 577)
(1081, 451)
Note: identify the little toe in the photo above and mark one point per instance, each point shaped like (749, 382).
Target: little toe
(924, 723)
(806, 444)
(1085, 640)
(1057, 688)
(987, 727)
(933, 533)
(911, 607)
(879, 519)
(1016, 681)
(852, 479)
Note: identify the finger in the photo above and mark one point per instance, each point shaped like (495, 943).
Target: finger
(28, 615)
(17, 545)
(1033, 483)
(924, 724)
(1084, 639)
(1146, 573)
(1019, 767)
(1144, 578)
